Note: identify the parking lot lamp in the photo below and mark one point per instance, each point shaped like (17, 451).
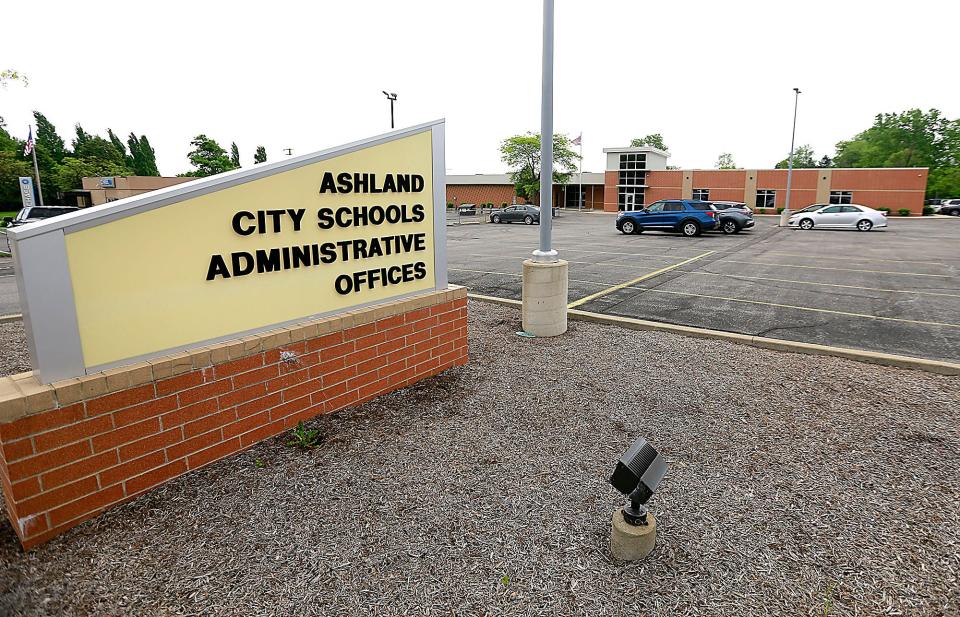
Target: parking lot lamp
(391, 96)
(546, 254)
(785, 215)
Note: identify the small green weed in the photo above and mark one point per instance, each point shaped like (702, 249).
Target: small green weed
(303, 438)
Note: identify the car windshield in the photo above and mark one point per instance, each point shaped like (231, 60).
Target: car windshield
(812, 208)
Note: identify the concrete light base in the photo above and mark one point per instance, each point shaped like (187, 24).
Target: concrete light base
(629, 542)
(545, 297)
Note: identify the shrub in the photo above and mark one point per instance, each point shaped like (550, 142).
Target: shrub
(449, 204)
(761, 210)
(927, 211)
(779, 210)
(903, 212)
(503, 205)
(887, 210)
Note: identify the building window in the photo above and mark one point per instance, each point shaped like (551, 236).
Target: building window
(766, 198)
(841, 197)
(629, 198)
(634, 160)
(632, 177)
(571, 200)
(703, 194)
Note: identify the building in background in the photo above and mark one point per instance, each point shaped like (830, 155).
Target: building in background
(636, 177)
(98, 191)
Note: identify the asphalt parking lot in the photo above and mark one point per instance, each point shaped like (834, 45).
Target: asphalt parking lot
(894, 290)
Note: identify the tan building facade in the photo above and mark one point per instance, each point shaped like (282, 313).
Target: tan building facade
(98, 191)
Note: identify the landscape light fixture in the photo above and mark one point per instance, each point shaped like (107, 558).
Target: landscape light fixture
(391, 96)
(637, 475)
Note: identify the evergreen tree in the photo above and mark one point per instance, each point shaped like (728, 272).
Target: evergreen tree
(118, 144)
(47, 139)
(143, 159)
(260, 156)
(235, 154)
(81, 138)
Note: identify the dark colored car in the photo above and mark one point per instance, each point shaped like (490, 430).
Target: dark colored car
(39, 213)
(950, 206)
(734, 216)
(690, 217)
(520, 213)
(467, 209)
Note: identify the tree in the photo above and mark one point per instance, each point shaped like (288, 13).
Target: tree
(208, 157)
(235, 155)
(260, 156)
(10, 75)
(47, 139)
(98, 148)
(725, 161)
(143, 159)
(912, 138)
(826, 161)
(802, 158)
(11, 169)
(82, 137)
(521, 153)
(654, 140)
(69, 174)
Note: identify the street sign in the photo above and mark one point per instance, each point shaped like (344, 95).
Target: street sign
(26, 192)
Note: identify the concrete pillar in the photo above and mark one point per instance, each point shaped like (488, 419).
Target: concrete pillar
(545, 297)
(631, 542)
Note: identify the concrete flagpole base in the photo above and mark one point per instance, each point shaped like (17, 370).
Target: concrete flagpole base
(545, 297)
(632, 542)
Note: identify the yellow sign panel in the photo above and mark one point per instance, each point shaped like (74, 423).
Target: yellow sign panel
(346, 231)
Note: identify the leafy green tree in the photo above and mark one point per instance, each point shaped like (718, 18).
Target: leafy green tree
(725, 161)
(260, 156)
(47, 139)
(143, 160)
(235, 154)
(70, 173)
(826, 161)
(912, 138)
(82, 137)
(11, 169)
(118, 145)
(208, 157)
(802, 158)
(98, 148)
(654, 140)
(521, 153)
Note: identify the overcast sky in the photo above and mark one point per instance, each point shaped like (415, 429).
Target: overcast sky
(710, 76)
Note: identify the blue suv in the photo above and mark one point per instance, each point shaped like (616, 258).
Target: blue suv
(691, 217)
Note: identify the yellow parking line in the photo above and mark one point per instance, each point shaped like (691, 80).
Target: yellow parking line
(614, 288)
(802, 308)
(760, 263)
(767, 278)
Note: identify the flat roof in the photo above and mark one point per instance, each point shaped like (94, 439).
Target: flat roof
(640, 149)
(588, 178)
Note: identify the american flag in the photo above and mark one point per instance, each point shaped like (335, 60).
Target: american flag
(28, 147)
(576, 141)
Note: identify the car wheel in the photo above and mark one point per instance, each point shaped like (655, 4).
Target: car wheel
(806, 224)
(690, 229)
(864, 225)
(954, 213)
(729, 227)
(496, 218)
(628, 228)
(528, 220)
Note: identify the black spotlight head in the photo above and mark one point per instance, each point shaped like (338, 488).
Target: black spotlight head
(637, 475)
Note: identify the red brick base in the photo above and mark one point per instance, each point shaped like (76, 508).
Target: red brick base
(65, 464)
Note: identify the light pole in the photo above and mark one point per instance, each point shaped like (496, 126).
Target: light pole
(391, 96)
(785, 215)
(545, 276)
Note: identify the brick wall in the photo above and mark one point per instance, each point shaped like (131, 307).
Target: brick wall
(497, 194)
(71, 449)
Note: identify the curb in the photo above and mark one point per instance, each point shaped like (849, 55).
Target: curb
(11, 318)
(859, 355)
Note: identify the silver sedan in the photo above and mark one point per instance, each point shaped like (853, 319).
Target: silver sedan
(847, 216)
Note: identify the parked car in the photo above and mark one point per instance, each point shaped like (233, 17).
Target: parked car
(734, 216)
(528, 214)
(846, 216)
(689, 217)
(467, 209)
(950, 206)
(39, 213)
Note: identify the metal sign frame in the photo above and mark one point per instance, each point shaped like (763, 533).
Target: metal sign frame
(44, 281)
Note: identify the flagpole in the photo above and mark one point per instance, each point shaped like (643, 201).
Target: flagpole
(36, 169)
(580, 187)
